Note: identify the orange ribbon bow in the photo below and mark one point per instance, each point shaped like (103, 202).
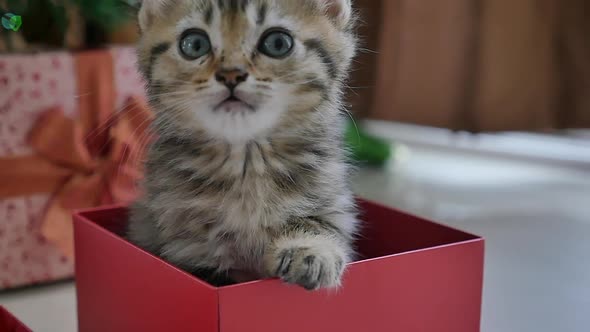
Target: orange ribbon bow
(86, 162)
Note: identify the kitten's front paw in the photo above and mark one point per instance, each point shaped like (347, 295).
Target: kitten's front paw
(312, 265)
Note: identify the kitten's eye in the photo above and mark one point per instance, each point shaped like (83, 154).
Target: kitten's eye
(194, 44)
(276, 44)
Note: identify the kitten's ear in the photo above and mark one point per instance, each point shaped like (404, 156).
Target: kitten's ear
(151, 9)
(339, 10)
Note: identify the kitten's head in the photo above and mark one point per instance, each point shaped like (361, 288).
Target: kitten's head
(238, 69)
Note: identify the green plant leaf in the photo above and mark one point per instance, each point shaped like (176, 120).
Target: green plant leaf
(108, 14)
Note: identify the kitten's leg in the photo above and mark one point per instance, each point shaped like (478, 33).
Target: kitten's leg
(311, 252)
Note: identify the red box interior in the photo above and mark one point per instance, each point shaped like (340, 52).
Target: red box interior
(411, 233)
(9, 323)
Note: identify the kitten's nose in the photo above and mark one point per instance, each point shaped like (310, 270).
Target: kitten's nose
(231, 77)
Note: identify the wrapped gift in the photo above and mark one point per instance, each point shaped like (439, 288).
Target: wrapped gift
(71, 133)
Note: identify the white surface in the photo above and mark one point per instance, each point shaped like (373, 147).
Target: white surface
(553, 149)
(535, 218)
(44, 309)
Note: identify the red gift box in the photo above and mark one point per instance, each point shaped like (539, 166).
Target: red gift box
(415, 275)
(9, 323)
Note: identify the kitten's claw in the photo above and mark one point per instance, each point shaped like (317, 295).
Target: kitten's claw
(311, 267)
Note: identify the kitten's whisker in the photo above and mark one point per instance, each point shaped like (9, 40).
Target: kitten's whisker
(104, 127)
(164, 99)
(367, 50)
(359, 87)
(286, 76)
(134, 155)
(142, 145)
(179, 105)
(172, 80)
(351, 90)
(99, 130)
(133, 117)
(144, 140)
(304, 82)
(170, 94)
(83, 95)
(358, 133)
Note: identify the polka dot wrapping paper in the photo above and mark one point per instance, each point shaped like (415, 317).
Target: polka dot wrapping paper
(29, 85)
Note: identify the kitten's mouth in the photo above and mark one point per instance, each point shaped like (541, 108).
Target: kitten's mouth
(233, 103)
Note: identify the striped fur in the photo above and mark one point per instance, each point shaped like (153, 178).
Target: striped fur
(262, 190)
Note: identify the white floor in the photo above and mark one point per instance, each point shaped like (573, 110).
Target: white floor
(535, 218)
(536, 221)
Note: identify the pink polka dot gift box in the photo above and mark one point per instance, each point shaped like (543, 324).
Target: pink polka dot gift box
(71, 127)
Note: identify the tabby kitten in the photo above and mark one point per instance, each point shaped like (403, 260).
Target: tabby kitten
(248, 170)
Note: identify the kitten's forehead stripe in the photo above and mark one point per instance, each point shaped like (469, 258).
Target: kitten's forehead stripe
(233, 6)
(208, 14)
(244, 5)
(262, 12)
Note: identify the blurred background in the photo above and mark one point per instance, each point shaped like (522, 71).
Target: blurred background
(471, 65)
(474, 113)
(477, 65)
